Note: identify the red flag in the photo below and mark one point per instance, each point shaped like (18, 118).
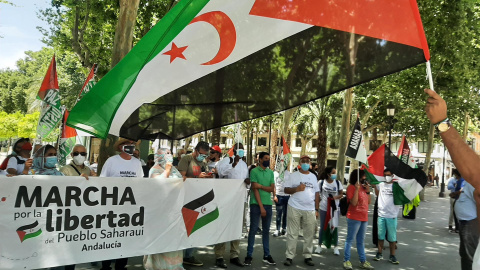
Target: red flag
(50, 81)
(230, 152)
(89, 82)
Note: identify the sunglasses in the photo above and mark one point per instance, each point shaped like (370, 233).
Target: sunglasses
(213, 152)
(81, 153)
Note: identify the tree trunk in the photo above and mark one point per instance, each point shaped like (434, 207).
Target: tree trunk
(304, 146)
(250, 150)
(287, 117)
(122, 44)
(322, 143)
(187, 143)
(216, 136)
(426, 166)
(346, 113)
(273, 149)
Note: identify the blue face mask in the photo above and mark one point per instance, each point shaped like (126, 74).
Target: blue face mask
(241, 153)
(201, 157)
(333, 176)
(50, 162)
(305, 166)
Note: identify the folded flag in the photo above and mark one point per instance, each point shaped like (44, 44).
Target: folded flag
(29, 231)
(200, 212)
(68, 138)
(408, 181)
(405, 155)
(284, 158)
(330, 232)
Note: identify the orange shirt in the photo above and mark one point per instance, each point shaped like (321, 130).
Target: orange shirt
(360, 211)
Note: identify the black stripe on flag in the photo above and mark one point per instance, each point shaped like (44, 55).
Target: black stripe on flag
(28, 227)
(397, 167)
(355, 141)
(200, 201)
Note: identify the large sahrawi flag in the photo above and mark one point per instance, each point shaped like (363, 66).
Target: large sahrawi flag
(68, 139)
(51, 113)
(408, 181)
(356, 145)
(208, 61)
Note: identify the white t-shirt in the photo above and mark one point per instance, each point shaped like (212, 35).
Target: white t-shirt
(212, 164)
(386, 207)
(328, 188)
(13, 164)
(303, 200)
(279, 183)
(116, 166)
(225, 169)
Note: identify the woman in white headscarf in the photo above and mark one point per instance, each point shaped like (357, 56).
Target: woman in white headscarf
(162, 169)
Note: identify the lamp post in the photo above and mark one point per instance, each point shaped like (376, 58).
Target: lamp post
(391, 114)
(442, 186)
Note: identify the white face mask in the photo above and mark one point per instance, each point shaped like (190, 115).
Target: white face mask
(388, 179)
(78, 160)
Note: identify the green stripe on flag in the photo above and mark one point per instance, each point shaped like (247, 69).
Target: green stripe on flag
(205, 220)
(32, 235)
(371, 178)
(112, 91)
(399, 197)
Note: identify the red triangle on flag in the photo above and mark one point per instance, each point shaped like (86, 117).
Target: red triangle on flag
(376, 161)
(50, 81)
(230, 152)
(189, 217)
(21, 234)
(286, 149)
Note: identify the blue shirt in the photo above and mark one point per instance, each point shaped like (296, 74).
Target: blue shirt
(465, 207)
(452, 182)
(460, 184)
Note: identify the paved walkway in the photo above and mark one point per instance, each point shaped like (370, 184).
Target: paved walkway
(423, 243)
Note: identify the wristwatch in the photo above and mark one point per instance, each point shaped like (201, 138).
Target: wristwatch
(443, 125)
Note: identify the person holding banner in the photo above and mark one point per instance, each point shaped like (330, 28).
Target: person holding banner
(77, 166)
(163, 169)
(121, 165)
(231, 168)
(20, 162)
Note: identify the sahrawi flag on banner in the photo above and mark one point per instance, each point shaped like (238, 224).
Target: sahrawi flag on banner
(51, 112)
(200, 212)
(220, 56)
(68, 139)
(29, 231)
(408, 181)
(356, 145)
(284, 159)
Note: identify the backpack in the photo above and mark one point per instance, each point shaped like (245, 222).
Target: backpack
(343, 204)
(4, 164)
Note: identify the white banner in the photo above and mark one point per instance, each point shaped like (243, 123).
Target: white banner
(49, 221)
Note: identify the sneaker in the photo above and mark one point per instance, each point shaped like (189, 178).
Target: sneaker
(378, 257)
(284, 231)
(248, 261)
(268, 259)
(318, 250)
(236, 261)
(347, 265)
(366, 265)
(393, 259)
(276, 233)
(221, 263)
(288, 262)
(309, 262)
(192, 261)
(336, 251)
(259, 231)
(450, 228)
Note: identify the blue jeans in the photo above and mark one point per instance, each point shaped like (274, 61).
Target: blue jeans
(282, 211)
(355, 230)
(254, 223)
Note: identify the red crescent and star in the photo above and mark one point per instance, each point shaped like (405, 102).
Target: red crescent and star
(203, 210)
(226, 31)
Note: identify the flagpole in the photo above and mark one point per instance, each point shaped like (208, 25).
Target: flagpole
(429, 75)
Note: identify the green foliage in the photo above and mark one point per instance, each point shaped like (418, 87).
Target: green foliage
(27, 125)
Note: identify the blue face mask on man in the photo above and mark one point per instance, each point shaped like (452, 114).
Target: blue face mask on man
(201, 157)
(240, 153)
(305, 166)
(50, 162)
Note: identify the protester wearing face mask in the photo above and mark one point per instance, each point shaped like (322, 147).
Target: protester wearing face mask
(77, 165)
(387, 217)
(330, 190)
(194, 165)
(214, 159)
(20, 162)
(302, 211)
(121, 165)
